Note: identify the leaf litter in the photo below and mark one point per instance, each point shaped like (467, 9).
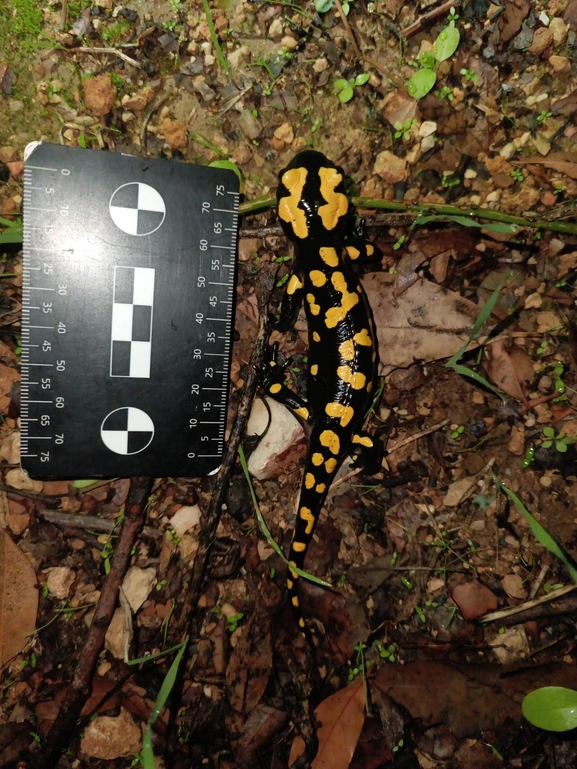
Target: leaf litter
(418, 553)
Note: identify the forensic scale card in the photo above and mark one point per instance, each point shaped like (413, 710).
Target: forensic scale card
(127, 318)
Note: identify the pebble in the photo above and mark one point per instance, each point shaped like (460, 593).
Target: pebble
(239, 56)
(285, 133)
(276, 28)
(289, 43)
(391, 168)
(542, 39)
(559, 30)
(545, 384)
(320, 65)
(561, 64)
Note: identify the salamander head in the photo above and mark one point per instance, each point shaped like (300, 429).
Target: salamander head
(312, 204)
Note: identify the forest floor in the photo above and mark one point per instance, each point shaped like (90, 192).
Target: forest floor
(450, 603)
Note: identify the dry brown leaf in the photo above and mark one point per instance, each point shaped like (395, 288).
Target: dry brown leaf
(250, 664)
(510, 370)
(18, 598)
(563, 162)
(425, 323)
(341, 717)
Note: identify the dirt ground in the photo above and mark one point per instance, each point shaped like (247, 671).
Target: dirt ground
(452, 593)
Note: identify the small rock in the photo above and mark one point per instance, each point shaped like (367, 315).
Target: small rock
(99, 95)
(18, 479)
(285, 133)
(8, 154)
(284, 430)
(277, 144)
(548, 321)
(561, 64)
(59, 581)
(474, 599)
(137, 585)
(510, 646)
(15, 105)
(545, 383)
(175, 134)
(242, 155)
(427, 128)
(459, 490)
(517, 443)
(241, 56)
(320, 65)
(10, 448)
(533, 301)
(109, 737)
(276, 28)
(559, 30)
(247, 247)
(116, 640)
(513, 586)
(391, 168)
(289, 43)
(548, 198)
(249, 125)
(508, 151)
(542, 39)
(428, 143)
(184, 519)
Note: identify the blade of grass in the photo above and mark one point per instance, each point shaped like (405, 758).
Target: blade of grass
(541, 534)
(214, 37)
(12, 233)
(147, 754)
(466, 371)
(264, 528)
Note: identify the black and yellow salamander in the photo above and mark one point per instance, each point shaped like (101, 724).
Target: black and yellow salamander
(315, 213)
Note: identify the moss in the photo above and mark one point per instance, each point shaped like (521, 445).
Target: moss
(21, 22)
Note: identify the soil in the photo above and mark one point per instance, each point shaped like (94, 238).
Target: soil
(452, 592)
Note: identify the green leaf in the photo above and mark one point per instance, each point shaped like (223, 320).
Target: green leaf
(12, 234)
(447, 43)
(83, 484)
(427, 60)
(546, 444)
(340, 84)
(466, 371)
(322, 6)
(346, 93)
(421, 83)
(552, 707)
(561, 447)
(229, 165)
(362, 79)
(548, 432)
(538, 531)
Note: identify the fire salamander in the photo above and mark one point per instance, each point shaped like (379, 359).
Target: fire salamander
(314, 212)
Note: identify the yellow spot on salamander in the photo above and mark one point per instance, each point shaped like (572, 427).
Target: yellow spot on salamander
(335, 315)
(275, 388)
(329, 256)
(315, 308)
(288, 210)
(340, 411)
(337, 204)
(309, 480)
(331, 440)
(347, 349)
(302, 412)
(301, 622)
(353, 252)
(320, 488)
(356, 381)
(369, 387)
(316, 336)
(317, 459)
(294, 284)
(292, 571)
(363, 338)
(318, 278)
(289, 584)
(307, 516)
(330, 465)
(314, 369)
(364, 440)
(295, 600)
(299, 547)
(370, 249)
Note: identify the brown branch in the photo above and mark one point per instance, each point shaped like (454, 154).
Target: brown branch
(79, 691)
(418, 25)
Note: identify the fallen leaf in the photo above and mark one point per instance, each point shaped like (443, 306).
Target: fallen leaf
(262, 724)
(110, 737)
(563, 162)
(473, 599)
(250, 664)
(459, 490)
(137, 585)
(513, 586)
(510, 370)
(426, 322)
(341, 717)
(18, 598)
(512, 18)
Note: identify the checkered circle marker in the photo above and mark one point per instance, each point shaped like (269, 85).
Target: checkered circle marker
(127, 430)
(137, 208)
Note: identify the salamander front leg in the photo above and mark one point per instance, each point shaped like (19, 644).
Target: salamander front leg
(366, 452)
(272, 380)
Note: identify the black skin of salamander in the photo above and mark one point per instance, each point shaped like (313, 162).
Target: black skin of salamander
(338, 376)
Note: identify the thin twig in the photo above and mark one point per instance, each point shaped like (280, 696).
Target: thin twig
(418, 25)
(494, 616)
(112, 51)
(91, 523)
(348, 29)
(63, 727)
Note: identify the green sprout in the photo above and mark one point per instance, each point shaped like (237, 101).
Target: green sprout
(469, 75)
(458, 432)
(421, 614)
(542, 347)
(233, 621)
(386, 652)
(450, 180)
(517, 174)
(399, 242)
(444, 47)
(445, 93)
(561, 441)
(404, 129)
(528, 458)
(346, 88)
(543, 116)
(559, 383)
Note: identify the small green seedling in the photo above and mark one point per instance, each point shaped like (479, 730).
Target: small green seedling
(233, 621)
(561, 441)
(445, 93)
(450, 180)
(399, 242)
(542, 347)
(469, 75)
(543, 116)
(559, 383)
(345, 89)
(529, 457)
(456, 434)
(553, 708)
(404, 129)
(386, 652)
(398, 746)
(421, 614)
(444, 47)
(517, 174)
(407, 583)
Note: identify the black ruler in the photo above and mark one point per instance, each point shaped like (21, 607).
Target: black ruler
(128, 300)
